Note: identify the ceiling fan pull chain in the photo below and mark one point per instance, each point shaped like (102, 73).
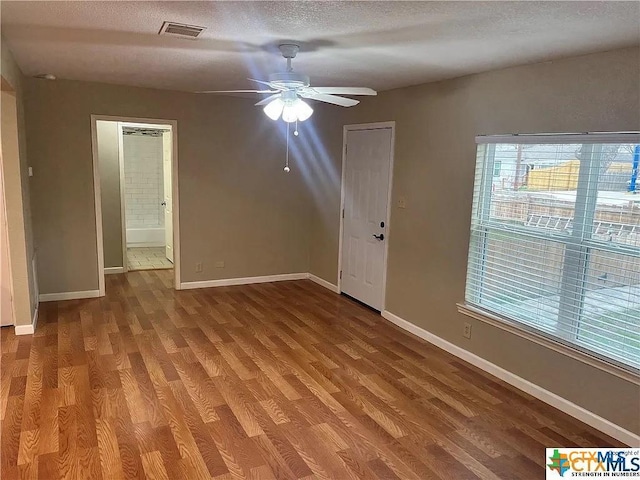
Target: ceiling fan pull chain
(286, 164)
(295, 132)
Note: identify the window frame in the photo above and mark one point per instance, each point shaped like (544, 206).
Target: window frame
(578, 246)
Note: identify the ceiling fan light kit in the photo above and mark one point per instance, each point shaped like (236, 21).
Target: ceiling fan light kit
(291, 109)
(274, 109)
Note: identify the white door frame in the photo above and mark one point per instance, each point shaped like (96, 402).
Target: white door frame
(123, 218)
(345, 130)
(146, 122)
(4, 250)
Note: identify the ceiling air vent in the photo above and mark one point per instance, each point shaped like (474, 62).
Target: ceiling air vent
(180, 30)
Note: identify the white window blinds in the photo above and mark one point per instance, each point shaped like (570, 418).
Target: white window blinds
(555, 239)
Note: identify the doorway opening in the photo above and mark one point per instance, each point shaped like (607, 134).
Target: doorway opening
(135, 168)
(145, 160)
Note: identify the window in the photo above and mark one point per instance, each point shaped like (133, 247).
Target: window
(555, 239)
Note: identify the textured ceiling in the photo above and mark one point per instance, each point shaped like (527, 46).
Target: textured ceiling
(381, 45)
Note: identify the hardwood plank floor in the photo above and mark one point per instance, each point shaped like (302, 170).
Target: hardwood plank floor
(284, 380)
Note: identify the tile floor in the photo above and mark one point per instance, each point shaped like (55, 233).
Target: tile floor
(147, 258)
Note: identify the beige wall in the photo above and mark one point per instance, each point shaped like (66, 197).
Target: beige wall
(434, 170)
(21, 250)
(236, 203)
(109, 163)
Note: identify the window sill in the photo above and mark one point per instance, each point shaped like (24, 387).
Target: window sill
(574, 353)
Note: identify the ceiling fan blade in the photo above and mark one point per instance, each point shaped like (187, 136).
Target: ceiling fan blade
(336, 100)
(277, 87)
(268, 99)
(238, 91)
(345, 90)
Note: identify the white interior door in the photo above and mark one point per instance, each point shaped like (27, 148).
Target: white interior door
(167, 164)
(366, 196)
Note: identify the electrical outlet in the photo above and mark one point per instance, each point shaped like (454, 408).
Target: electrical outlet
(198, 267)
(466, 332)
(402, 202)
(219, 264)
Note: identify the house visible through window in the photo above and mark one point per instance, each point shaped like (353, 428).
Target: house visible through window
(497, 166)
(555, 239)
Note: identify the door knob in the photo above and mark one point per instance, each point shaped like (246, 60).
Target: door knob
(379, 237)
(164, 204)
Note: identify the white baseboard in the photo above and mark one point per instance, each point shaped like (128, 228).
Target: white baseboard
(54, 297)
(324, 283)
(225, 282)
(24, 330)
(538, 392)
(112, 270)
(28, 329)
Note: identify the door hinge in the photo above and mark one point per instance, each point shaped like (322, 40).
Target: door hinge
(346, 147)
(340, 274)
(343, 213)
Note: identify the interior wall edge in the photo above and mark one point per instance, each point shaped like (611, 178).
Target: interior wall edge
(324, 283)
(19, 221)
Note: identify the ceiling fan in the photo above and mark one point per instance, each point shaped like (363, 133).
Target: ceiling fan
(288, 88)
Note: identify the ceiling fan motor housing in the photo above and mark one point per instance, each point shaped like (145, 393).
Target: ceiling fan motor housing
(289, 50)
(290, 80)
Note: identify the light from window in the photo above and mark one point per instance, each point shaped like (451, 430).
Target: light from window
(555, 239)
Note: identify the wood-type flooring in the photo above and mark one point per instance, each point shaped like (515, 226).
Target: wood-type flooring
(278, 380)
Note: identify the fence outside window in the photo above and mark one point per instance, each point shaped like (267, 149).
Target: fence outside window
(555, 239)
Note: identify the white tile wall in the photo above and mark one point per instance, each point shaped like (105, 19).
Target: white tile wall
(143, 187)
